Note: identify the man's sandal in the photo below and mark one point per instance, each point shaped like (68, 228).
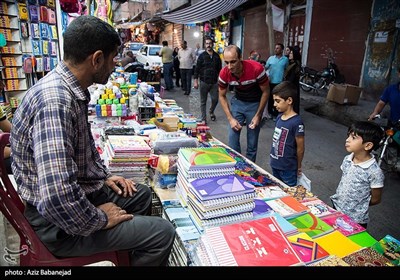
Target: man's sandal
(212, 116)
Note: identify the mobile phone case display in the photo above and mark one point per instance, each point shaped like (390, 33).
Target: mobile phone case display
(43, 34)
(32, 43)
(11, 54)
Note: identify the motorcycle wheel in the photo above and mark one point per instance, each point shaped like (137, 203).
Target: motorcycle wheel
(307, 80)
(322, 83)
(389, 159)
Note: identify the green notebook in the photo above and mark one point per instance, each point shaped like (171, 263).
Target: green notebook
(364, 239)
(205, 158)
(311, 225)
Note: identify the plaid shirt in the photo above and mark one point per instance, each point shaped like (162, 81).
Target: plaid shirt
(55, 161)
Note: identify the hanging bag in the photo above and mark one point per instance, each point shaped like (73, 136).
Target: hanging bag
(304, 181)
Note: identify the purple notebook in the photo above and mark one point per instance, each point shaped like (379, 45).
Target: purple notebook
(220, 186)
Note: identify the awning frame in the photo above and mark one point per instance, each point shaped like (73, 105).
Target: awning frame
(202, 11)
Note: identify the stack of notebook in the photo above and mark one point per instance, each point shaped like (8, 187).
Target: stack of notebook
(127, 156)
(205, 162)
(218, 200)
(201, 162)
(208, 186)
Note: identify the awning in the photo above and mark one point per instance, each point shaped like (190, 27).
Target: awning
(202, 11)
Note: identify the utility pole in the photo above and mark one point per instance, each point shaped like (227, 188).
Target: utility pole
(268, 20)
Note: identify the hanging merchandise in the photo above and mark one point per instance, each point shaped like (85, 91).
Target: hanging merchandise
(22, 11)
(207, 27)
(104, 10)
(69, 6)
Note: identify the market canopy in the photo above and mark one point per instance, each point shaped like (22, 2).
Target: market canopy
(202, 11)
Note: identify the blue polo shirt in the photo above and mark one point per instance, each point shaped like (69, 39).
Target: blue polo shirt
(276, 66)
(391, 96)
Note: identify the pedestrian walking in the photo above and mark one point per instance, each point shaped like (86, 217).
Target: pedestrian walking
(207, 69)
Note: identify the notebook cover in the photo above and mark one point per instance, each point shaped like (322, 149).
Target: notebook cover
(318, 207)
(311, 224)
(258, 242)
(287, 206)
(331, 240)
(367, 257)
(209, 157)
(390, 248)
(343, 223)
(364, 239)
(307, 249)
(220, 186)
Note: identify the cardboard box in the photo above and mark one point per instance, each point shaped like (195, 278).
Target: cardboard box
(344, 93)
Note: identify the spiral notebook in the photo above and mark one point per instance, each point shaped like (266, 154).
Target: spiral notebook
(229, 219)
(224, 211)
(220, 187)
(204, 173)
(205, 158)
(217, 203)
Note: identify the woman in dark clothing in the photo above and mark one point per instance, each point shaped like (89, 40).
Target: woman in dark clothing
(176, 66)
(292, 74)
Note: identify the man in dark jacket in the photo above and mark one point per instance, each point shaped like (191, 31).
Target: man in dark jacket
(207, 68)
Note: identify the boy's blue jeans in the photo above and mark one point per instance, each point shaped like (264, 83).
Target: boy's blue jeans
(244, 112)
(289, 177)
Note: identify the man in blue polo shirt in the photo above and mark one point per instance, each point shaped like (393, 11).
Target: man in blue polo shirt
(276, 65)
(391, 96)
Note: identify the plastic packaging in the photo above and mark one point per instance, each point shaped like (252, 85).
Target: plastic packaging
(133, 101)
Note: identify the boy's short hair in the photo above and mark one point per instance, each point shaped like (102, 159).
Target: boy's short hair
(285, 90)
(368, 131)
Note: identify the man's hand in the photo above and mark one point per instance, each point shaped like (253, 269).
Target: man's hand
(115, 214)
(373, 116)
(255, 121)
(195, 84)
(121, 185)
(235, 125)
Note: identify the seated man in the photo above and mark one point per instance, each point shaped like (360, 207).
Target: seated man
(128, 58)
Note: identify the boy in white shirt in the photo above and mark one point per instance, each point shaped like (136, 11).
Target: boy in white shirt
(362, 179)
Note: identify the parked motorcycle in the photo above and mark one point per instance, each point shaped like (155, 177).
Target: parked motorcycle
(311, 79)
(388, 154)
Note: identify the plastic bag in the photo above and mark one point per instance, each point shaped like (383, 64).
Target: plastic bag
(304, 181)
